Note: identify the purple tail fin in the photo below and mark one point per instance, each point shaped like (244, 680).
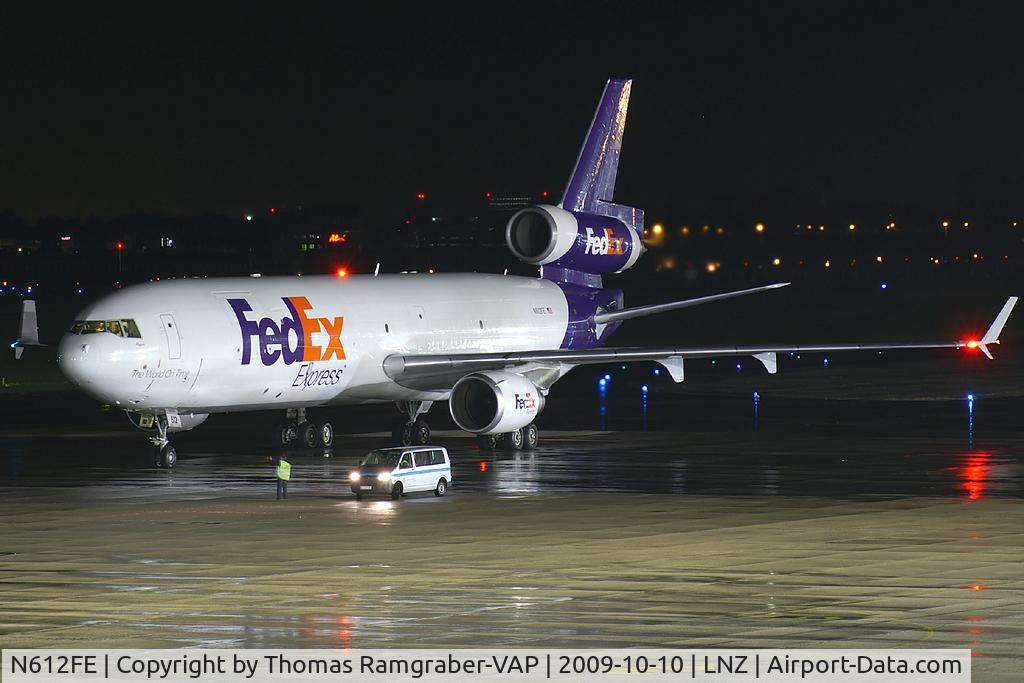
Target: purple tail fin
(592, 183)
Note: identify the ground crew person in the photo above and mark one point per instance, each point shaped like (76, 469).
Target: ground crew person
(283, 470)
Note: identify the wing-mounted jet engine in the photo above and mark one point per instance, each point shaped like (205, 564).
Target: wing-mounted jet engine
(497, 402)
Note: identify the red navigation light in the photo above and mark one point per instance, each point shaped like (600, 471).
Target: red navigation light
(120, 246)
(342, 272)
(972, 343)
(421, 195)
(544, 193)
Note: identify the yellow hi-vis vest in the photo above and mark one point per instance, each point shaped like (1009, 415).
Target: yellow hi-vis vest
(284, 470)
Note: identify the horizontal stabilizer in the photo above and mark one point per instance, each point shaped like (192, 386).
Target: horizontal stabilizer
(640, 311)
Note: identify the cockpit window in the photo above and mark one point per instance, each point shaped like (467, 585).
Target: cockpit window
(121, 328)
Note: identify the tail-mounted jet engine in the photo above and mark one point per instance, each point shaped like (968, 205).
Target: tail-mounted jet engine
(494, 402)
(548, 235)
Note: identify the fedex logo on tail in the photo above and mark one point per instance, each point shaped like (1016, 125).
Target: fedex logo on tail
(290, 339)
(604, 245)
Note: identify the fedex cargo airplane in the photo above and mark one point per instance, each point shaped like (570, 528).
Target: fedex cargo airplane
(170, 353)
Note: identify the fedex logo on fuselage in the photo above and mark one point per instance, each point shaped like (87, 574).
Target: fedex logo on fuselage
(291, 339)
(604, 245)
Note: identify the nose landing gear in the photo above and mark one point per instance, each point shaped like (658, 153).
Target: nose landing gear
(164, 455)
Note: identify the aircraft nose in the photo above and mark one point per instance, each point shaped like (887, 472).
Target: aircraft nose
(75, 360)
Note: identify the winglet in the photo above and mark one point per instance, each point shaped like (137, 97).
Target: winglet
(996, 328)
(28, 329)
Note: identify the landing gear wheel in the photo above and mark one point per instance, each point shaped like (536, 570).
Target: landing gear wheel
(514, 440)
(442, 488)
(326, 435)
(486, 442)
(531, 436)
(166, 456)
(309, 435)
(402, 435)
(285, 434)
(396, 491)
(420, 433)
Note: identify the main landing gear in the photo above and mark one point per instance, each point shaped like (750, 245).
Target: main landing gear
(415, 431)
(525, 439)
(164, 455)
(295, 429)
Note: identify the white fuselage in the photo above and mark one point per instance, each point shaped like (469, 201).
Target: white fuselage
(197, 351)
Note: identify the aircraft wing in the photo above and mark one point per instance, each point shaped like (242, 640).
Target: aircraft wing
(440, 372)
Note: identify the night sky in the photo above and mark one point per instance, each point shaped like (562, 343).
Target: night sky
(778, 103)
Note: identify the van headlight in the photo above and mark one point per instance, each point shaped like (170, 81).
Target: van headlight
(384, 476)
(355, 476)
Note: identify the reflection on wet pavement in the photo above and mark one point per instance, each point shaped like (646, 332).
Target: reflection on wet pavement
(863, 531)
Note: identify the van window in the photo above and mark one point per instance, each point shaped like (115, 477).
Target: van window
(406, 461)
(424, 458)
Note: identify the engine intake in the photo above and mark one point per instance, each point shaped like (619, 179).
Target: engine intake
(494, 402)
(542, 235)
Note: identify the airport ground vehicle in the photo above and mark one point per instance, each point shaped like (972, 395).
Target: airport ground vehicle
(402, 470)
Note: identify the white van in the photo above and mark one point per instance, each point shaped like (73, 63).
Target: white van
(402, 470)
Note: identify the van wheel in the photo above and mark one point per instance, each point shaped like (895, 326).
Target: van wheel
(396, 491)
(442, 487)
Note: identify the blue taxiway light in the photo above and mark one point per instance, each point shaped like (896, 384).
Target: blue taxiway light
(824, 361)
(644, 388)
(608, 378)
(657, 372)
(884, 286)
(602, 382)
(970, 397)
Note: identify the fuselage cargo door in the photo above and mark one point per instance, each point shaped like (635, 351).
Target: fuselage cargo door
(171, 332)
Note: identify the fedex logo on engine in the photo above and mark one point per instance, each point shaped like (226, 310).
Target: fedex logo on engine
(529, 402)
(290, 339)
(604, 245)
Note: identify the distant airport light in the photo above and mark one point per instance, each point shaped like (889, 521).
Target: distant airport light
(945, 224)
(759, 227)
(608, 378)
(884, 286)
(776, 261)
(685, 230)
(967, 224)
(828, 264)
(657, 228)
(342, 272)
(421, 195)
(824, 361)
(337, 237)
(544, 193)
(487, 195)
(821, 228)
(248, 216)
(120, 246)
(602, 382)
(273, 209)
(712, 267)
(643, 388)
(65, 238)
(878, 259)
(657, 372)
(852, 227)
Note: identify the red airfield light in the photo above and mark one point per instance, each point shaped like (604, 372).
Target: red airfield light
(273, 209)
(544, 193)
(421, 195)
(342, 272)
(120, 246)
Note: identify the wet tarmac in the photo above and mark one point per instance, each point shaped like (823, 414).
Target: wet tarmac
(810, 523)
